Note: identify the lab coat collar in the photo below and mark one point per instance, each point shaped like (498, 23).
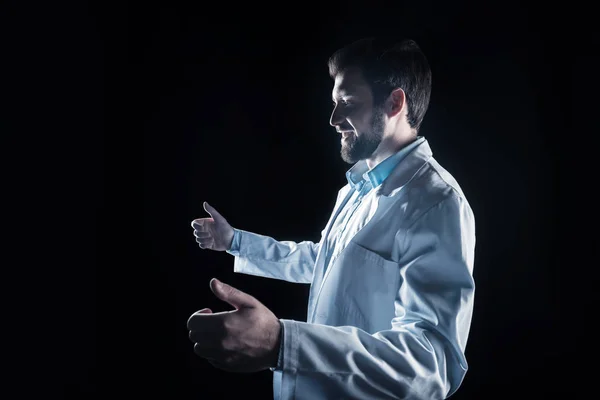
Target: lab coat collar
(406, 170)
(359, 173)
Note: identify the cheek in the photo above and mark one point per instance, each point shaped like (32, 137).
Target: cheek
(362, 125)
(360, 120)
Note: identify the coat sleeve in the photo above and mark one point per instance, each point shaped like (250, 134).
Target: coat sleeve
(421, 356)
(286, 260)
(264, 256)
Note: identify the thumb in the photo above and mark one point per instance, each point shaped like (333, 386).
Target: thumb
(231, 295)
(212, 212)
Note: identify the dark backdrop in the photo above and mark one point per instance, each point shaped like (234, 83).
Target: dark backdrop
(234, 111)
(230, 104)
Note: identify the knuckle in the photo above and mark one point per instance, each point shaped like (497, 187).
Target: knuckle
(228, 344)
(226, 326)
(224, 343)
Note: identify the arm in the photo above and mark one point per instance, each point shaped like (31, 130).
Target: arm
(215, 233)
(266, 257)
(421, 356)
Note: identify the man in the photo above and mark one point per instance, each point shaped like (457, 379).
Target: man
(392, 288)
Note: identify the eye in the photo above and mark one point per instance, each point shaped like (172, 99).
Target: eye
(344, 102)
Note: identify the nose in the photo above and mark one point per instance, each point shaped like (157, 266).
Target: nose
(336, 117)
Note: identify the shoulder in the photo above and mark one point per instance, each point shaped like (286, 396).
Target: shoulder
(433, 190)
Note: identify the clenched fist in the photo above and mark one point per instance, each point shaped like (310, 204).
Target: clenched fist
(213, 233)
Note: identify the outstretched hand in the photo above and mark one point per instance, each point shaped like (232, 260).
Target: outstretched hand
(242, 340)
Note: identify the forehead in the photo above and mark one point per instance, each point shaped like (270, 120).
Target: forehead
(350, 82)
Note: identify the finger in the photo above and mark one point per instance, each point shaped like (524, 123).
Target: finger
(221, 364)
(202, 234)
(210, 351)
(200, 224)
(205, 244)
(205, 240)
(205, 321)
(204, 338)
(231, 295)
(212, 212)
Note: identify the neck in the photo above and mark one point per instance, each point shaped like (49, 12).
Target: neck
(389, 145)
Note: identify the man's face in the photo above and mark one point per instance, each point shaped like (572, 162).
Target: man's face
(355, 117)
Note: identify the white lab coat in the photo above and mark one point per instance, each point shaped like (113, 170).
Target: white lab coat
(389, 319)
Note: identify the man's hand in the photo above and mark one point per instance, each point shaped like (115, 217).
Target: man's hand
(242, 340)
(213, 233)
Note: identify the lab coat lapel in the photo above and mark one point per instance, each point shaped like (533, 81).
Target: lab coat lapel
(320, 262)
(384, 196)
(373, 205)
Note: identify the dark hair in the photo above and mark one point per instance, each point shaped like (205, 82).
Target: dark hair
(387, 64)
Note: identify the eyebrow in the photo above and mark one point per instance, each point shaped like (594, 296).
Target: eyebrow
(345, 92)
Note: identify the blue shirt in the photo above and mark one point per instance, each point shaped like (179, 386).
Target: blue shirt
(362, 180)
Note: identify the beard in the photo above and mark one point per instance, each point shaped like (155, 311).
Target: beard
(364, 144)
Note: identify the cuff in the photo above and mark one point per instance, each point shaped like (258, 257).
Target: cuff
(288, 352)
(280, 355)
(234, 249)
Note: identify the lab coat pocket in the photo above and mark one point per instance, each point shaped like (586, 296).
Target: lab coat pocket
(373, 284)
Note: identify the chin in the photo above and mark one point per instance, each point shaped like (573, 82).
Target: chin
(348, 157)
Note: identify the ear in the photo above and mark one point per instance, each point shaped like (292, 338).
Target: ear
(397, 102)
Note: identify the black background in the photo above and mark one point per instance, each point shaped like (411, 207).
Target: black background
(230, 104)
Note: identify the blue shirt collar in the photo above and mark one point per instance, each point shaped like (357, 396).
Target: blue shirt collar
(360, 173)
